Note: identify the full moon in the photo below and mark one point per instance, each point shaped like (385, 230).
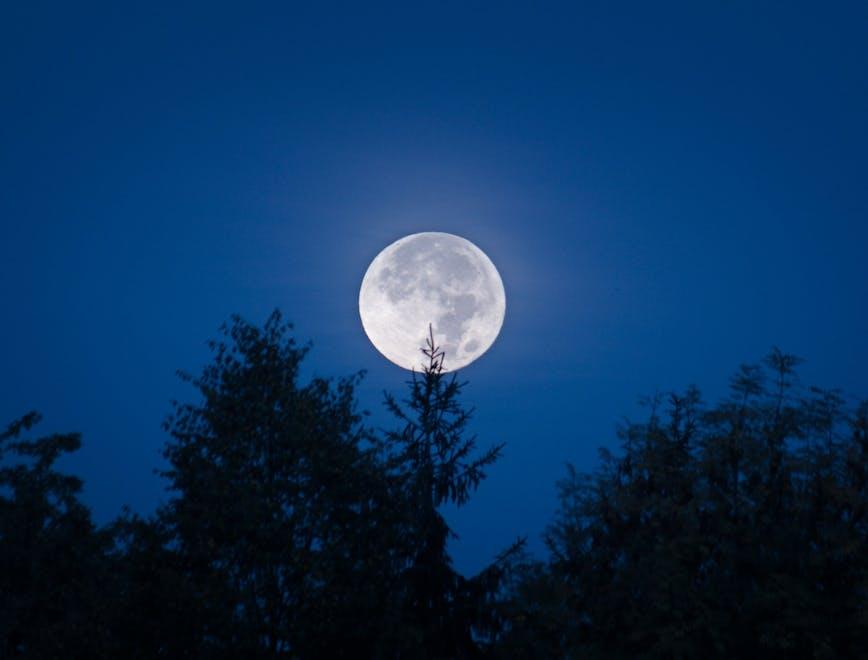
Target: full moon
(438, 279)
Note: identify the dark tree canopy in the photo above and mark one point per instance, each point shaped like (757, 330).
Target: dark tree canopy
(275, 498)
(51, 574)
(737, 530)
(293, 530)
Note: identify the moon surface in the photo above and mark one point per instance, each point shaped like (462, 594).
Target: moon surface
(438, 279)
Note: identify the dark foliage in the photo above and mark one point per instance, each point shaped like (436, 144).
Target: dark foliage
(276, 524)
(442, 614)
(294, 531)
(52, 577)
(733, 531)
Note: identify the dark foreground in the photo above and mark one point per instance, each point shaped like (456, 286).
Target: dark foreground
(294, 531)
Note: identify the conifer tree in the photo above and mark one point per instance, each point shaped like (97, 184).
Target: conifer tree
(433, 462)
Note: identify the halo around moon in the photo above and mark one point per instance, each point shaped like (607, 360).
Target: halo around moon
(432, 278)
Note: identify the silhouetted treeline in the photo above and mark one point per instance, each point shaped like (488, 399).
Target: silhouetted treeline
(732, 531)
(295, 531)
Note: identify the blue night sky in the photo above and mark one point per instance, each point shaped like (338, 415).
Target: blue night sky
(668, 190)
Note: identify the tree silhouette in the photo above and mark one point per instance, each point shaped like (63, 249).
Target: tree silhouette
(274, 494)
(295, 531)
(432, 462)
(52, 573)
(734, 531)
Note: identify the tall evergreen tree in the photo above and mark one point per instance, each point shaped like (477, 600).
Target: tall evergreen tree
(433, 462)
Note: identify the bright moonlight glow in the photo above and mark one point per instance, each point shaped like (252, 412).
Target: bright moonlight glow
(438, 279)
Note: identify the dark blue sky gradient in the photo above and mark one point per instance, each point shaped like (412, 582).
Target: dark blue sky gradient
(668, 190)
